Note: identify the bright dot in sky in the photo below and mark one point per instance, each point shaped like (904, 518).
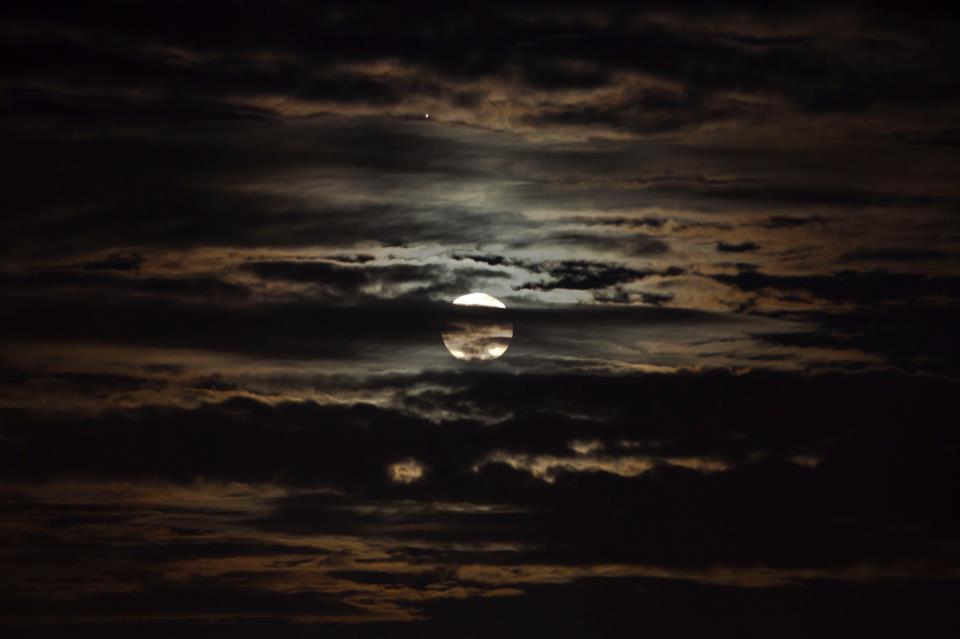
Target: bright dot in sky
(406, 471)
(479, 336)
(427, 116)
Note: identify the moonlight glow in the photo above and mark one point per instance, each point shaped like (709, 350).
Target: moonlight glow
(479, 299)
(478, 338)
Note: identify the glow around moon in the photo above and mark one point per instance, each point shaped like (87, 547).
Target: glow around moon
(479, 299)
(478, 336)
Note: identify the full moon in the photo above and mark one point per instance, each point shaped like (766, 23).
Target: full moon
(476, 332)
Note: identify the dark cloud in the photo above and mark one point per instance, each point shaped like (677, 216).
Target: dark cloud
(675, 608)
(743, 247)
(819, 196)
(586, 275)
(950, 138)
(780, 222)
(284, 329)
(870, 287)
(198, 601)
(655, 299)
(112, 110)
(365, 281)
(910, 336)
(652, 222)
(95, 283)
(628, 244)
(887, 255)
(903, 317)
(864, 432)
(668, 608)
(116, 262)
(837, 73)
(344, 278)
(643, 115)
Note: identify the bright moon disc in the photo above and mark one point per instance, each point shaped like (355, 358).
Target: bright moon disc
(478, 333)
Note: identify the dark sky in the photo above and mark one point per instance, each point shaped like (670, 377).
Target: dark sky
(727, 237)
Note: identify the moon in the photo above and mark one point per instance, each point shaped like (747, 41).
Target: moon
(476, 332)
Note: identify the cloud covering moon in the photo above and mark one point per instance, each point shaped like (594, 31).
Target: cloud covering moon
(482, 335)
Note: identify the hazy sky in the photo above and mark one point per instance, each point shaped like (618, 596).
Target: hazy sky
(728, 243)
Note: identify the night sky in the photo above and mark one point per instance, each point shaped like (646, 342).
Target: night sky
(727, 236)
